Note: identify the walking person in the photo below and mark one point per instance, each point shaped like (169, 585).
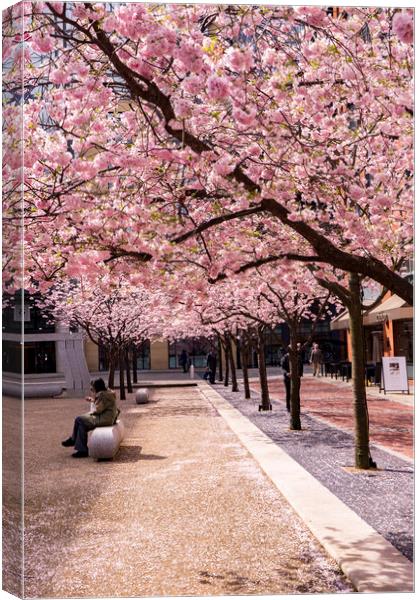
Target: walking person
(212, 365)
(104, 414)
(285, 365)
(316, 360)
(301, 358)
(183, 360)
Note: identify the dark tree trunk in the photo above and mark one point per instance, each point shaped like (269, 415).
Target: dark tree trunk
(111, 374)
(134, 363)
(122, 365)
(219, 358)
(232, 364)
(295, 423)
(244, 362)
(361, 415)
(127, 366)
(226, 349)
(265, 395)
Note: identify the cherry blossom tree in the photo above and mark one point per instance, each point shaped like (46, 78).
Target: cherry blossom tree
(168, 121)
(111, 312)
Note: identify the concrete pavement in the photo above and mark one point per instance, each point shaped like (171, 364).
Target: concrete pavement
(370, 561)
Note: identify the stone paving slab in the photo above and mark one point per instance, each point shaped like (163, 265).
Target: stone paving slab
(384, 498)
(372, 563)
(183, 509)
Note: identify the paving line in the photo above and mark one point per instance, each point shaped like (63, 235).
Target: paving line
(371, 563)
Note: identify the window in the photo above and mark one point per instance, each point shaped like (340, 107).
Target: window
(197, 350)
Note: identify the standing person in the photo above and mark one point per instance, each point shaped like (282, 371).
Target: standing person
(212, 365)
(316, 359)
(301, 356)
(183, 360)
(104, 413)
(285, 365)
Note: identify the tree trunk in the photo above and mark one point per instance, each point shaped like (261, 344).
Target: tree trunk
(361, 416)
(265, 395)
(226, 349)
(232, 364)
(127, 366)
(134, 363)
(244, 362)
(111, 374)
(295, 423)
(121, 365)
(219, 358)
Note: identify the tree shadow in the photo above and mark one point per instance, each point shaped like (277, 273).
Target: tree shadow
(381, 572)
(233, 580)
(131, 454)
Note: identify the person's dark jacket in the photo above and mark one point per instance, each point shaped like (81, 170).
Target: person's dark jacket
(211, 362)
(285, 365)
(106, 409)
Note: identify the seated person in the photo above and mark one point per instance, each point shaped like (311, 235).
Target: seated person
(105, 414)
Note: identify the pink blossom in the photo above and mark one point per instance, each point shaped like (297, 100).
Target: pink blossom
(63, 158)
(239, 60)
(402, 26)
(314, 15)
(193, 84)
(224, 165)
(110, 23)
(217, 88)
(182, 108)
(191, 56)
(59, 76)
(42, 43)
(244, 118)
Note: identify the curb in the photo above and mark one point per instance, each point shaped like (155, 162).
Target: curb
(370, 562)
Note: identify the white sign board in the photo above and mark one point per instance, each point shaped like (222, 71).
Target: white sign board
(394, 374)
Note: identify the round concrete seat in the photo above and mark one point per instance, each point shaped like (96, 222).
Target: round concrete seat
(142, 396)
(104, 442)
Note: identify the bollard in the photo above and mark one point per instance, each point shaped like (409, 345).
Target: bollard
(192, 374)
(142, 396)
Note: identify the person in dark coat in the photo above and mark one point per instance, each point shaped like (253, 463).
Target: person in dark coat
(183, 360)
(104, 414)
(212, 365)
(285, 365)
(301, 358)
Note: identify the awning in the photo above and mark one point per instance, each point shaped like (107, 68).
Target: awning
(392, 309)
(341, 322)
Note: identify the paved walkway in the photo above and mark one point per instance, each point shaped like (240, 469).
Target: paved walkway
(382, 498)
(391, 417)
(182, 510)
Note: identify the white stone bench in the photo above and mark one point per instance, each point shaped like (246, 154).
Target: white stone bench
(104, 442)
(142, 396)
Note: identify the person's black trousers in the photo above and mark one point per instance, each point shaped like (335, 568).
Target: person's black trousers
(212, 377)
(287, 386)
(80, 433)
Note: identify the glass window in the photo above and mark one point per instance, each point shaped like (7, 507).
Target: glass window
(196, 349)
(403, 338)
(142, 357)
(35, 320)
(39, 357)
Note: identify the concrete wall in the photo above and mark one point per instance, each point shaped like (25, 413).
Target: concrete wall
(92, 355)
(159, 356)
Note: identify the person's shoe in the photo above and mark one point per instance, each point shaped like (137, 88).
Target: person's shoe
(80, 454)
(68, 442)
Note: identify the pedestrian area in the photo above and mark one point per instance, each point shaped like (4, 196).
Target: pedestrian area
(383, 498)
(183, 509)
